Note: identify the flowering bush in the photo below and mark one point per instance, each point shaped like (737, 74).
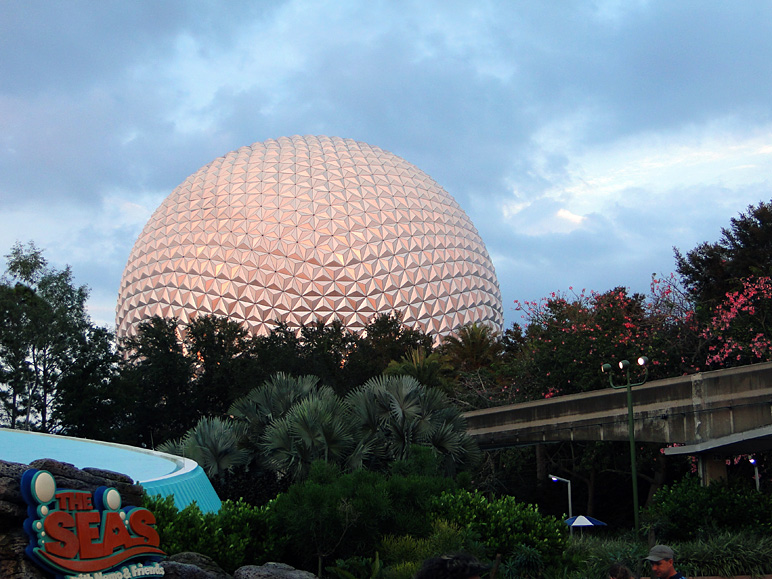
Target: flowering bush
(738, 332)
(569, 338)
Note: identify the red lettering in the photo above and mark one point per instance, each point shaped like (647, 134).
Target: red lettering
(115, 533)
(65, 501)
(82, 502)
(74, 501)
(64, 543)
(140, 521)
(87, 527)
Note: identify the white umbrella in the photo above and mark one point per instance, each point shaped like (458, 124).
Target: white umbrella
(582, 521)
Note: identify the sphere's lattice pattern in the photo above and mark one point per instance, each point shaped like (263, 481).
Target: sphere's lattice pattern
(310, 228)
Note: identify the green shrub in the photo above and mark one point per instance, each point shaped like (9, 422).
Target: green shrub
(591, 556)
(411, 497)
(687, 510)
(504, 525)
(333, 516)
(357, 568)
(724, 555)
(444, 538)
(330, 515)
(235, 536)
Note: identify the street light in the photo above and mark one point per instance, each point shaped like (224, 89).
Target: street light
(625, 366)
(570, 510)
(756, 473)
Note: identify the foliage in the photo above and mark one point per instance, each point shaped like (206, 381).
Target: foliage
(525, 563)
(357, 568)
(737, 332)
(287, 423)
(214, 444)
(336, 515)
(87, 389)
(588, 557)
(431, 370)
(329, 515)
(156, 377)
(686, 510)
(391, 414)
(720, 555)
(220, 366)
(182, 372)
(48, 347)
(239, 534)
(712, 270)
(472, 347)
(504, 525)
(317, 427)
(567, 340)
(384, 339)
(340, 358)
(404, 554)
(725, 555)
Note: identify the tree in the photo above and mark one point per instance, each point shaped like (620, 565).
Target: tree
(431, 370)
(323, 350)
(393, 413)
(214, 443)
(87, 390)
(155, 384)
(216, 348)
(566, 340)
(315, 428)
(42, 340)
(472, 347)
(384, 339)
(738, 332)
(712, 270)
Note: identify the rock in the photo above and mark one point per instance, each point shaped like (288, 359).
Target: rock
(202, 562)
(271, 571)
(109, 475)
(176, 570)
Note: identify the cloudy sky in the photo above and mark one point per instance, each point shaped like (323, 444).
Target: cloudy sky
(584, 139)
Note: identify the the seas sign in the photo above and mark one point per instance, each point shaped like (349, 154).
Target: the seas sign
(79, 535)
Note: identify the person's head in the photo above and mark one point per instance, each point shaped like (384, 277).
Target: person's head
(619, 571)
(459, 566)
(661, 559)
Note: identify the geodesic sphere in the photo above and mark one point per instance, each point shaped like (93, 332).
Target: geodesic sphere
(301, 229)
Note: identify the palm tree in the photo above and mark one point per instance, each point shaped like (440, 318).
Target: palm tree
(474, 346)
(270, 402)
(315, 428)
(214, 443)
(429, 370)
(392, 413)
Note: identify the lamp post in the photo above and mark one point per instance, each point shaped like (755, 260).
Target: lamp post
(756, 473)
(570, 510)
(625, 366)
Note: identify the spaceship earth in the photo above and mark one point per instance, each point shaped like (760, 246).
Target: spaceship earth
(310, 228)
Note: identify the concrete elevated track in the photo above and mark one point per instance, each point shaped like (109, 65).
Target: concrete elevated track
(711, 415)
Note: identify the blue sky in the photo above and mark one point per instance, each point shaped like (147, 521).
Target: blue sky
(584, 139)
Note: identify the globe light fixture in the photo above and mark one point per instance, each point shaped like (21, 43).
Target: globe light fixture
(624, 365)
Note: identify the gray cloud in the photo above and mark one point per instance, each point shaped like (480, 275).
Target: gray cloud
(536, 117)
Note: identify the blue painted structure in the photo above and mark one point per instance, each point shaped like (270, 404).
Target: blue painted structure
(159, 473)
